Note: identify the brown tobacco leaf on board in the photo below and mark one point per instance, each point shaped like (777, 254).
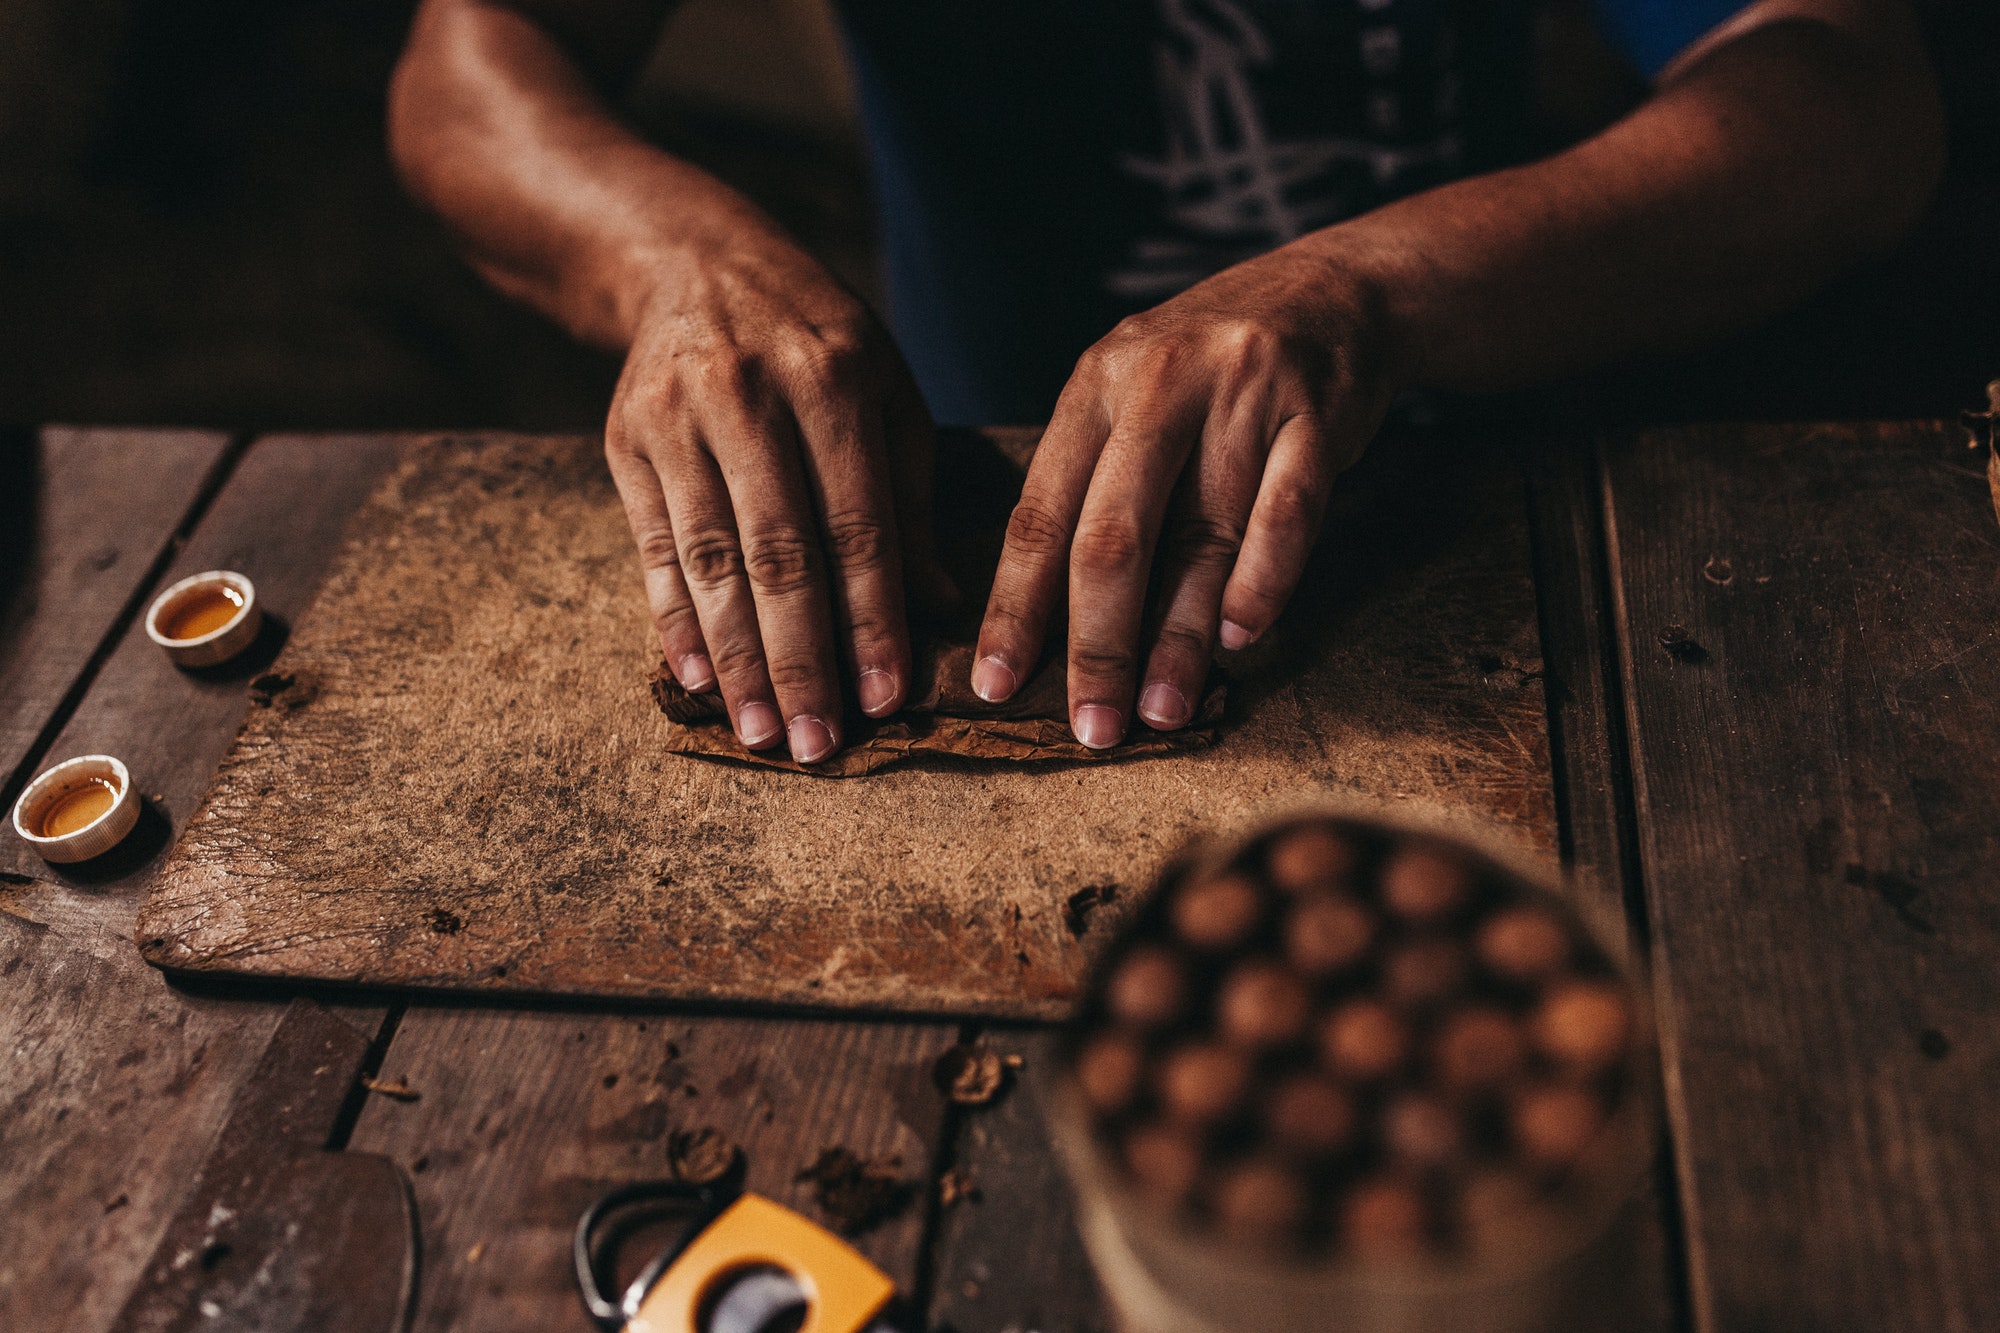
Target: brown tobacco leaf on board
(971, 1075)
(945, 718)
(701, 1156)
(854, 1192)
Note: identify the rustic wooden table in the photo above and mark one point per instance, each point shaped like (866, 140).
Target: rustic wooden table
(1797, 807)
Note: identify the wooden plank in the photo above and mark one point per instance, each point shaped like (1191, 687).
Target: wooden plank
(115, 1084)
(85, 515)
(488, 647)
(522, 1119)
(1819, 823)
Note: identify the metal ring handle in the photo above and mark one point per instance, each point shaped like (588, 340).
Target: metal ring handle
(611, 1315)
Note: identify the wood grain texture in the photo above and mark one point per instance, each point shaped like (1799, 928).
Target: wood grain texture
(479, 798)
(523, 1119)
(1819, 823)
(115, 1084)
(84, 515)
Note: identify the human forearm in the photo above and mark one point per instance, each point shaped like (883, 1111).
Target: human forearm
(1762, 168)
(495, 125)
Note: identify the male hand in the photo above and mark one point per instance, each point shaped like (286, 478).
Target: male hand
(774, 459)
(1202, 437)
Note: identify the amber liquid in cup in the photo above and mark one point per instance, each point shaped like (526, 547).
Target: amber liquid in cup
(77, 810)
(203, 612)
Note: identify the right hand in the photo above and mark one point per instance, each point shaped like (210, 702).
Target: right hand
(774, 458)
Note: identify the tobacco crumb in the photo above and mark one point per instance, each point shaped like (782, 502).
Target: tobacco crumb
(1932, 1043)
(117, 1203)
(855, 1193)
(611, 1080)
(1079, 905)
(701, 1156)
(1681, 646)
(956, 1186)
(443, 922)
(970, 1074)
(396, 1089)
(476, 1252)
(285, 691)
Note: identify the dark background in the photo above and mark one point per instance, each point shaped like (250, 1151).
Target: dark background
(198, 226)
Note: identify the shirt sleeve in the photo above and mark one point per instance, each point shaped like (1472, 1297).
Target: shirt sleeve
(1652, 32)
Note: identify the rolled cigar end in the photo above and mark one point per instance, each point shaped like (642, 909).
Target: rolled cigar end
(1364, 1040)
(1109, 1070)
(1425, 972)
(1262, 1203)
(1164, 1162)
(1311, 857)
(1203, 1082)
(1477, 1048)
(1384, 1220)
(1555, 1125)
(1260, 1003)
(1218, 913)
(1147, 989)
(1583, 1024)
(1310, 1116)
(1426, 885)
(1523, 945)
(1327, 933)
(1421, 1131)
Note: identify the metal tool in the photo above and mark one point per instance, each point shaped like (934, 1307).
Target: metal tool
(742, 1264)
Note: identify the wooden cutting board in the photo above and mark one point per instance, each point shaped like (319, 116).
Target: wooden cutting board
(454, 778)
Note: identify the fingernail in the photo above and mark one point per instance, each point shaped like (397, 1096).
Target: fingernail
(993, 680)
(876, 690)
(1234, 636)
(758, 725)
(1097, 726)
(697, 673)
(811, 739)
(1163, 705)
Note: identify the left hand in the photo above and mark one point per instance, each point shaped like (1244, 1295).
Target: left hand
(1207, 432)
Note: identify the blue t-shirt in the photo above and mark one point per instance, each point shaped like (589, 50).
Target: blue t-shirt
(1043, 168)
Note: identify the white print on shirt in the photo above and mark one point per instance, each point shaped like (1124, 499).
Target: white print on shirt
(1231, 190)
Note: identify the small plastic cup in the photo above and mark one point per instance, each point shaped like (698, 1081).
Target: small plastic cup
(222, 606)
(68, 783)
(1570, 1266)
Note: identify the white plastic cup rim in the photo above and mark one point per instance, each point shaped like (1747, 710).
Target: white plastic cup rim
(97, 837)
(219, 644)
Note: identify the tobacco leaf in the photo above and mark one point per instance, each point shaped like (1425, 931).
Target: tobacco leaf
(945, 718)
(854, 1192)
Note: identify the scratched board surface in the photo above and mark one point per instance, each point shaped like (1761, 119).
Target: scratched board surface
(459, 781)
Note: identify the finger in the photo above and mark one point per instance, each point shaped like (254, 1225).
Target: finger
(784, 566)
(674, 617)
(711, 561)
(1204, 530)
(1034, 561)
(1110, 561)
(846, 468)
(1284, 524)
(912, 449)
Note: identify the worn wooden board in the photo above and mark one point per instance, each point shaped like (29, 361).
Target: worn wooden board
(1818, 803)
(521, 1120)
(115, 1084)
(477, 796)
(85, 515)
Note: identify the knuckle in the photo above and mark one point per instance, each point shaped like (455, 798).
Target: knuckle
(859, 540)
(657, 549)
(1182, 644)
(1202, 541)
(727, 375)
(709, 559)
(780, 561)
(1294, 503)
(740, 660)
(790, 675)
(1101, 661)
(1107, 547)
(677, 620)
(838, 361)
(1033, 530)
